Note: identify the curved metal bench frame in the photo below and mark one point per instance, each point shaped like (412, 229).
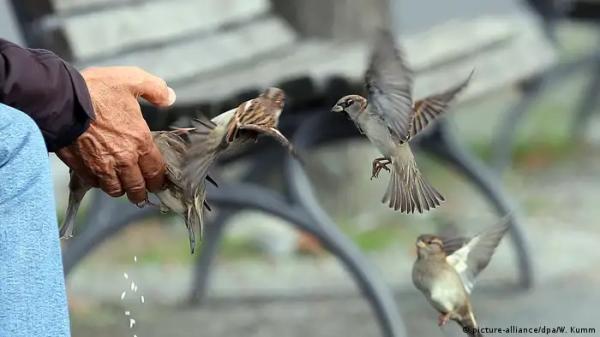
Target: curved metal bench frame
(299, 206)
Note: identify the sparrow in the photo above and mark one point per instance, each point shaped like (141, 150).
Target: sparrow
(258, 116)
(172, 146)
(390, 119)
(445, 272)
(190, 152)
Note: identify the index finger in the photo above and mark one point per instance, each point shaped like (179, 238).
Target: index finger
(153, 88)
(152, 166)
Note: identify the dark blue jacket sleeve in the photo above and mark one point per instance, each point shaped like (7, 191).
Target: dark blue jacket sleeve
(46, 88)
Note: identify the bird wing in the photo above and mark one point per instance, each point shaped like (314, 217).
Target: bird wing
(206, 141)
(389, 85)
(428, 109)
(172, 148)
(474, 256)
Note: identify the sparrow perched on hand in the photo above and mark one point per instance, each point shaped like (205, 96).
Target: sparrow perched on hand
(249, 120)
(446, 269)
(390, 119)
(172, 147)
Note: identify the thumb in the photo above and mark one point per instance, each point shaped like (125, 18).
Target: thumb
(154, 89)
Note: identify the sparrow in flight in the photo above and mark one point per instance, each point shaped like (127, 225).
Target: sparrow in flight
(446, 269)
(390, 119)
(189, 153)
(172, 147)
(258, 116)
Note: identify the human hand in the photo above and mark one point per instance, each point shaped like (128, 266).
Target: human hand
(116, 152)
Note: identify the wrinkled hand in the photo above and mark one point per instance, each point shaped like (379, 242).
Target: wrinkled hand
(116, 152)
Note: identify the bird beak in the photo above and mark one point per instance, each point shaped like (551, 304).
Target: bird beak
(337, 108)
(421, 244)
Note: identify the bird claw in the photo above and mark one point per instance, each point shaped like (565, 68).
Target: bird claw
(378, 165)
(443, 319)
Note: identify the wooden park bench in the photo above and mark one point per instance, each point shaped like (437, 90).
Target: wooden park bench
(218, 53)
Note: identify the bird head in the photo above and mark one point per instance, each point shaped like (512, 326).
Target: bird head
(275, 95)
(428, 245)
(353, 105)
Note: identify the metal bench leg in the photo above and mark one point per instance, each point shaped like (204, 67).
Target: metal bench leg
(109, 216)
(379, 296)
(589, 101)
(213, 237)
(505, 136)
(442, 143)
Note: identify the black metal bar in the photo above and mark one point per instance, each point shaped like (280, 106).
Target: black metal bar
(503, 141)
(108, 217)
(589, 101)
(213, 237)
(376, 292)
(442, 143)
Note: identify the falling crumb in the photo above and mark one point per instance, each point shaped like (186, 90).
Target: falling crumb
(131, 323)
(134, 335)
(142, 298)
(125, 276)
(135, 258)
(132, 285)
(123, 295)
(127, 313)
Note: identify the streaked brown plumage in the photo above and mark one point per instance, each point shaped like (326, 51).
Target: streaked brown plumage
(446, 269)
(390, 119)
(249, 120)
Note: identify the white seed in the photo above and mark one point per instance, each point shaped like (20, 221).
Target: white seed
(127, 313)
(132, 285)
(125, 276)
(123, 295)
(135, 258)
(131, 323)
(142, 298)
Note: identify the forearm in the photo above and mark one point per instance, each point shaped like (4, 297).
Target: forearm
(46, 88)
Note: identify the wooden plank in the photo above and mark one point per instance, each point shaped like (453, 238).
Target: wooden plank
(188, 59)
(339, 19)
(499, 48)
(126, 28)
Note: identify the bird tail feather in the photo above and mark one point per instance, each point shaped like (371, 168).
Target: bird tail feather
(66, 230)
(408, 191)
(469, 325)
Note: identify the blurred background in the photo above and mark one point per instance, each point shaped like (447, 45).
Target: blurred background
(523, 136)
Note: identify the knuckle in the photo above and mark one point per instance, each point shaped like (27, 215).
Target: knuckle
(114, 192)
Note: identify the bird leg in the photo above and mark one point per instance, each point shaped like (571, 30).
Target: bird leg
(443, 319)
(378, 165)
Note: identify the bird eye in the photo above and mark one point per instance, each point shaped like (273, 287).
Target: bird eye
(349, 102)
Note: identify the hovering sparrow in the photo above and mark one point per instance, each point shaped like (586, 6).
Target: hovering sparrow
(172, 147)
(446, 269)
(249, 120)
(390, 119)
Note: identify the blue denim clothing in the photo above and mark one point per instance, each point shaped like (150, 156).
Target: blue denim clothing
(32, 290)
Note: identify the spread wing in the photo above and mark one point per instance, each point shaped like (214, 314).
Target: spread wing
(205, 141)
(428, 109)
(389, 85)
(275, 134)
(474, 256)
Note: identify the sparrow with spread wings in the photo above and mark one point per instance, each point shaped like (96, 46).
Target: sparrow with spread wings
(446, 269)
(189, 153)
(390, 119)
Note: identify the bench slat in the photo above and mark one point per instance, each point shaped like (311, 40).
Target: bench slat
(124, 28)
(186, 59)
(500, 52)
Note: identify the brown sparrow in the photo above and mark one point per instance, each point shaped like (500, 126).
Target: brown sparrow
(249, 120)
(446, 269)
(172, 148)
(390, 119)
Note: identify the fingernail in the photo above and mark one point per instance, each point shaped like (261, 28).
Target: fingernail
(172, 96)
